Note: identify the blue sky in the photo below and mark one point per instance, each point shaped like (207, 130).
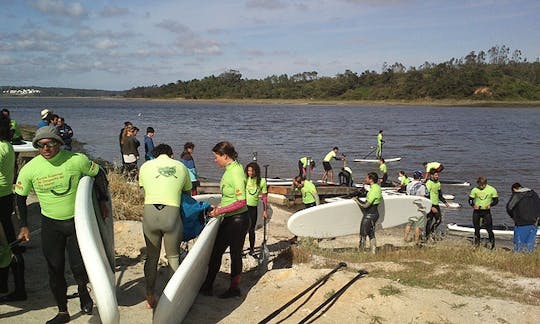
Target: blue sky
(118, 45)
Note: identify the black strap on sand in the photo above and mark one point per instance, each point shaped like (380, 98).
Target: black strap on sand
(290, 302)
(332, 299)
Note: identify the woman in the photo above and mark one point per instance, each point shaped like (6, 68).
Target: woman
(233, 229)
(130, 152)
(255, 188)
(187, 158)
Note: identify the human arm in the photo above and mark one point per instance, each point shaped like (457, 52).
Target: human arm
(24, 232)
(228, 209)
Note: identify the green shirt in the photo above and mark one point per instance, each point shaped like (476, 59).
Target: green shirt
(163, 180)
(253, 191)
(7, 168)
(405, 180)
(432, 165)
(379, 139)
(433, 188)
(374, 195)
(309, 192)
(304, 161)
(483, 197)
(55, 181)
(233, 187)
(383, 168)
(16, 129)
(331, 155)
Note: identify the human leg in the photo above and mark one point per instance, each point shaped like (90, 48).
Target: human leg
(152, 238)
(252, 213)
(172, 229)
(488, 223)
(220, 245)
(530, 239)
(476, 224)
(237, 230)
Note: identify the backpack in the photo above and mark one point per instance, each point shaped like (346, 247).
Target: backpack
(193, 216)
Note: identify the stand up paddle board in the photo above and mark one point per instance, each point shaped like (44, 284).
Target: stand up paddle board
(377, 160)
(455, 183)
(96, 241)
(497, 230)
(343, 217)
(26, 147)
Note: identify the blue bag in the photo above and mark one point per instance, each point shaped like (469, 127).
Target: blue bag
(193, 216)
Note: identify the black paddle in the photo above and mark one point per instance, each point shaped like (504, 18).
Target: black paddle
(369, 153)
(265, 253)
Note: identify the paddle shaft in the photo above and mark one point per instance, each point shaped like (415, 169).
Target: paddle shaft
(369, 153)
(315, 284)
(335, 296)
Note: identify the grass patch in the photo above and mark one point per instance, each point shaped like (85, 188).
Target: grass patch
(127, 199)
(389, 290)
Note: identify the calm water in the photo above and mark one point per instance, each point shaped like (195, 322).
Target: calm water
(499, 143)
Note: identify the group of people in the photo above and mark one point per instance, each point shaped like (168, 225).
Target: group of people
(49, 118)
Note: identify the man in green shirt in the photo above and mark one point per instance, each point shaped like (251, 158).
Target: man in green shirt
(482, 198)
(54, 175)
(370, 211)
(380, 143)
(328, 171)
(303, 166)
(310, 197)
(434, 217)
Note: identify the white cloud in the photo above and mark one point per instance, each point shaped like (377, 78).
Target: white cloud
(60, 8)
(266, 4)
(114, 11)
(106, 44)
(6, 60)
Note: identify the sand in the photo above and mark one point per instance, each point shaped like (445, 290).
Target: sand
(266, 291)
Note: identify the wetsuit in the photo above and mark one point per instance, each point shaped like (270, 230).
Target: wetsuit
(434, 219)
(483, 198)
(163, 180)
(345, 176)
(253, 191)
(55, 182)
(233, 229)
(380, 143)
(371, 212)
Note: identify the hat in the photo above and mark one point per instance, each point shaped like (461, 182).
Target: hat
(47, 132)
(417, 174)
(44, 113)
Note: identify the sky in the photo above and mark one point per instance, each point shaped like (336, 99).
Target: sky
(121, 44)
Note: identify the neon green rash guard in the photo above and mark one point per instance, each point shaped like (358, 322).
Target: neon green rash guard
(383, 168)
(433, 188)
(309, 192)
(253, 191)
(16, 129)
(379, 139)
(233, 187)
(163, 180)
(55, 181)
(7, 163)
(304, 161)
(374, 195)
(483, 197)
(331, 155)
(405, 181)
(432, 165)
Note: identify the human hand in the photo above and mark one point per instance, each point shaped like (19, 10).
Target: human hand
(24, 234)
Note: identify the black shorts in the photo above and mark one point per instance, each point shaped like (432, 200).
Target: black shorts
(327, 166)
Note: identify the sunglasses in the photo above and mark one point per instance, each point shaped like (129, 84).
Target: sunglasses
(48, 144)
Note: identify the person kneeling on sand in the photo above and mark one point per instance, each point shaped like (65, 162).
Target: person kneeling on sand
(370, 212)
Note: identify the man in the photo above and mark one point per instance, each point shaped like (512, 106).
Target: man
(149, 144)
(163, 180)
(65, 131)
(15, 129)
(432, 166)
(46, 118)
(345, 176)
(384, 173)
(416, 188)
(380, 143)
(7, 171)
(434, 193)
(54, 175)
(303, 166)
(482, 198)
(327, 166)
(310, 197)
(370, 212)
(524, 208)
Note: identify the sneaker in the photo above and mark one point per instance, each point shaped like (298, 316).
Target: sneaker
(87, 304)
(230, 293)
(61, 317)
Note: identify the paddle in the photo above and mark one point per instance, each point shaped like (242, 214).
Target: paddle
(370, 152)
(265, 253)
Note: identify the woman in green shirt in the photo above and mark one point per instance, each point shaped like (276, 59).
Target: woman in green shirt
(255, 188)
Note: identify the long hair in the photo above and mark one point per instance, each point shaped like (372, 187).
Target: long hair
(125, 133)
(225, 148)
(256, 169)
(5, 129)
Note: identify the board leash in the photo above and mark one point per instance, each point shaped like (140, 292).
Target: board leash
(332, 299)
(294, 299)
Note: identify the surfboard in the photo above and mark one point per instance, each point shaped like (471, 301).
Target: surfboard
(183, 287)
(377, 160)
(96, 242)
(451, 204)
(26, 147)
(455, 183)
(343, 217)
(497, 230)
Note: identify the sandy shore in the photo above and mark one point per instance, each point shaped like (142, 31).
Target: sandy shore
(266, 291)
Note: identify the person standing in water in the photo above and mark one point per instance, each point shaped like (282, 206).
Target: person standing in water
(255, 187)
(482, 198)
(380, 142)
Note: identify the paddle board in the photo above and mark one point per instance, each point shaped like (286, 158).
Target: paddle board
(96, 242)
(343, 217)
(183, 287)
(451, 204)
(455, 183)
(376, 160)
(26, 147)
(497, 230)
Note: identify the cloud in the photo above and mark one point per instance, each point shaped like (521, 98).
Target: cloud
(266, 4)
(60, 8)
(189, 41)
(6, 60)
(113, 11)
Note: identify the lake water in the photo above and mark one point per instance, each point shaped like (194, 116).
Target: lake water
(500, 143)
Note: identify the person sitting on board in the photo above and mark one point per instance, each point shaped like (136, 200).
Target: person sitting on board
(149, 144)
(432, 166)
(345, 175)
(187, 158)
(380, 142)
(54, 175)
(403, 181)
(524, 208)
(434, 193)
(370, 212)
(384, 173)
(163, 180)
(482, 198)
(11, 257)
(328, 171)
(303, 164)
(234, 227)
(416, 188)
(255, 187)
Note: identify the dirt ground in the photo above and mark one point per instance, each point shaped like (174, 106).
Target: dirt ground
(266, 291)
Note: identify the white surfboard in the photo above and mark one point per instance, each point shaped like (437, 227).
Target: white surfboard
(183, 287)
(455, 183)
(26, 147)
(342, 218)
(95, 249)
(377, 160)
(468, 229)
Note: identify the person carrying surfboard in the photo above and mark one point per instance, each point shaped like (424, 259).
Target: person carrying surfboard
(434, 193)
(54, 175)
(328, 171)
(380, 142)
(482, 198)
(370, 212)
